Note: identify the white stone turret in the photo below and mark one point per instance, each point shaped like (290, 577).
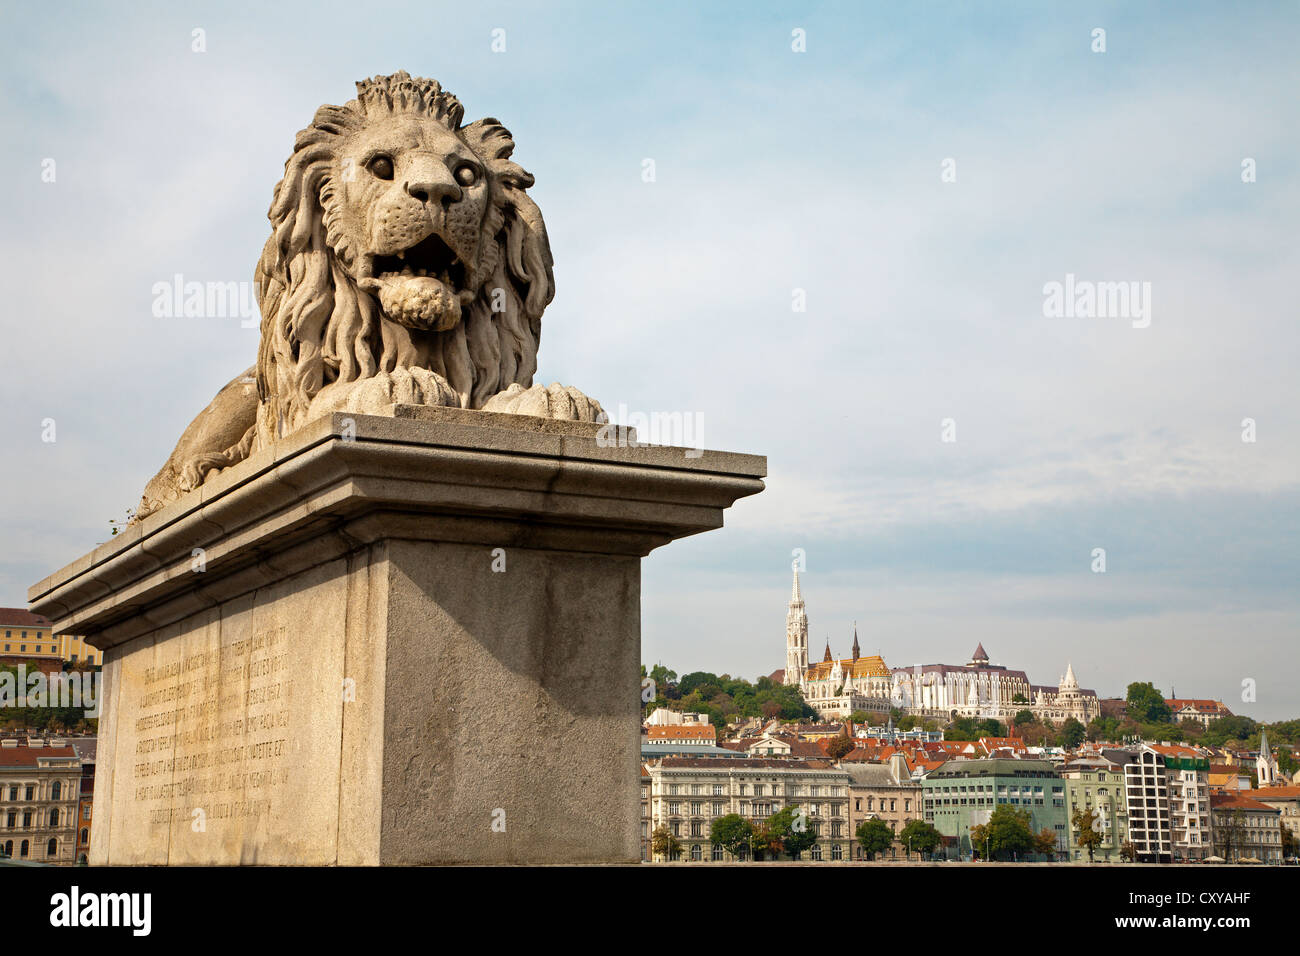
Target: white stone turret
(796, 636)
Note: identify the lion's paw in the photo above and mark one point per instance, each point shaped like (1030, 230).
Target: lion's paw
(401, 386)
(546, 401)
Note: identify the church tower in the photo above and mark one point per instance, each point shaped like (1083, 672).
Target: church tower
(796, 637)
(1266, 768)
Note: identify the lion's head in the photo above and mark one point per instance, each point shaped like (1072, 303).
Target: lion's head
(400, 239)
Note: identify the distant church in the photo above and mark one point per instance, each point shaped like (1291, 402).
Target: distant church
(834, 688)
(837, 688)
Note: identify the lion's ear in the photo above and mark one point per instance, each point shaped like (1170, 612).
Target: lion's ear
(494, 144)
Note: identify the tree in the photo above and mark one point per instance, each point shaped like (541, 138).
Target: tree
(859, 717)
(663, 843)
(790, 827)
(1045, 842)
(1147, 705)
(1007, 834)
(1024, 717)
(839, 746)
(1230, 835)
(972, 728)
(1086, 833)
(1128, 851)
(1288, 843)
(764, 842)
(1072, 733)
(920, 837)
(1103, 728)
(874, 836)
(731, 832)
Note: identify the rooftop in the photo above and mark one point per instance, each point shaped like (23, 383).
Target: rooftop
(21, 617)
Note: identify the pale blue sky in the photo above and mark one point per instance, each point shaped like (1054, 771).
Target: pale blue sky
(775, 170)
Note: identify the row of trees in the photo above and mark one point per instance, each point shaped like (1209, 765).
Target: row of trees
(724, 698)
(46, 719)
(1009, 835)
(788, 833)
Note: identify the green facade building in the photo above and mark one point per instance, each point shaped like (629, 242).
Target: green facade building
(964, 793)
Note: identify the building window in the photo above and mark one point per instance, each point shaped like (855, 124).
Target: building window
(11, 818)
(816, 851)
(836, 852)
(695, 852)
(716, 853)
(22, 850)
(31, 791)
(56, 790)
(54, 818)
(52, 848)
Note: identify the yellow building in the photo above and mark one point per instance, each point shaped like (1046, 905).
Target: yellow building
(30, 636)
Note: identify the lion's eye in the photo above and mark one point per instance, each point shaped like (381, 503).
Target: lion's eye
(382, 167)
(465, 175)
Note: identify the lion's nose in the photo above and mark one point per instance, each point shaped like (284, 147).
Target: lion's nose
(433, 189)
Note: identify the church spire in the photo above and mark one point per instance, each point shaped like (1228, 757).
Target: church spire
(828, 657)
(796, 635)
(856, 652)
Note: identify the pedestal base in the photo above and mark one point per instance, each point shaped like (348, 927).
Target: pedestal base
(399, 640)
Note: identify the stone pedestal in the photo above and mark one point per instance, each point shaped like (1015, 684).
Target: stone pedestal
(386, 640)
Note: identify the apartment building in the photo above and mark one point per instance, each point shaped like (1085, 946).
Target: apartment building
(883, 791)
(1096, 784)
(688, 793)
(1246, 828)
(1187, 774)
(1287, 801)
(25, 636)
(1146, 794)
(40, 786)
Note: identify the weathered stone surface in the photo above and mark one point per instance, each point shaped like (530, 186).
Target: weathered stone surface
(339, 675)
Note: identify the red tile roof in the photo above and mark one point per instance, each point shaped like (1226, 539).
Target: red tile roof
(1237, 800)
(27, 756)
(1175, 750)
(744, 763)
(21, 617)
(1197, 704)
(683, 732)
(1277, 793)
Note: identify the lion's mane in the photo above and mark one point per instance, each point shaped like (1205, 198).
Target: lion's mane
(319, 327)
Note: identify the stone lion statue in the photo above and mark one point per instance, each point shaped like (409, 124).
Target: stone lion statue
(406, 264)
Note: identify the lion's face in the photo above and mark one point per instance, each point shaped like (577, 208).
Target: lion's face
(401, 238)
(408, 215)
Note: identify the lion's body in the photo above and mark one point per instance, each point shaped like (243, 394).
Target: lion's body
(405, 263)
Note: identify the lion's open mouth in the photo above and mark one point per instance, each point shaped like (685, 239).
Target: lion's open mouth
(430, 257)
(419, 287)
